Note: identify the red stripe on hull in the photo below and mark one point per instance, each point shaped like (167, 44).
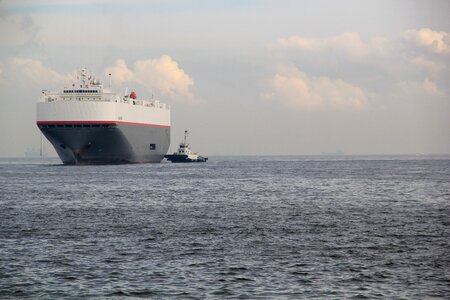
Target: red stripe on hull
(100, 122)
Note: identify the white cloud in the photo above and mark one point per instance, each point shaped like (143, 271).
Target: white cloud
(421, 89)
(376, 63)
(434, 41)
(161, 75)
(23, 72)
(351, 43)
(120, 72)
(431, 66)
(297, 90)
(348, 43)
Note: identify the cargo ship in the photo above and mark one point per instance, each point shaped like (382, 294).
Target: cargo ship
(184, 153)
(89, 124)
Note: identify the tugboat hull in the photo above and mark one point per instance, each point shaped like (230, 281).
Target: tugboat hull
(176, 158)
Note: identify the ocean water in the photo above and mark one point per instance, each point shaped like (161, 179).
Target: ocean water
(234, 227)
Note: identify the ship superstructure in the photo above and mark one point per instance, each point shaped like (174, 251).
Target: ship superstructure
(88, 124)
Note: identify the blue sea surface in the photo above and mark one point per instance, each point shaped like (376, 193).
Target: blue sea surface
(235, 227)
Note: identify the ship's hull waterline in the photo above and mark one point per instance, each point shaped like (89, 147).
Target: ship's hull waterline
(107, 143)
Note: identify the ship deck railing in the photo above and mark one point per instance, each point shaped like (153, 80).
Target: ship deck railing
(146, 103)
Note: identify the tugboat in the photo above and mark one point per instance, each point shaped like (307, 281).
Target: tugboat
(184, 153)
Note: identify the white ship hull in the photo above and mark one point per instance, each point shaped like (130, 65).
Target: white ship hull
(85, 129)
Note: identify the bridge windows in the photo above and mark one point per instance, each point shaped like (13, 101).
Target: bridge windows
(81, 91)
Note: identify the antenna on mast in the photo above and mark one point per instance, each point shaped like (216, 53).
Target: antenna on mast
(109, 80)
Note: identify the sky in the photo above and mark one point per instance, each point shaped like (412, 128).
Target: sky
(245, 77)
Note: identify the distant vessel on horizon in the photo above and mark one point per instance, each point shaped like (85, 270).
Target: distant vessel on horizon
(87, 124)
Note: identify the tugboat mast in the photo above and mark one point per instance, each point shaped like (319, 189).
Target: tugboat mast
(186, 137)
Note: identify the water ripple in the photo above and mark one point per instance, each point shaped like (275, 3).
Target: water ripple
(277, 227)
